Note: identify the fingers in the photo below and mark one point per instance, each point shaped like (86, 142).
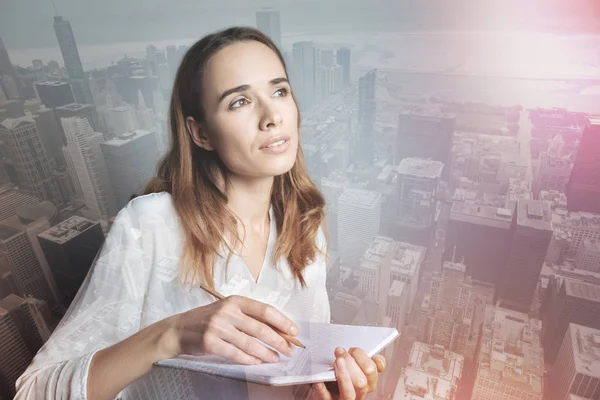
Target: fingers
(321, 391)
(367, 366)
(265, 333)
(342, 374)
(357, 376)
(249, 345)
(266, 313)
(380, 362)
(233, 353)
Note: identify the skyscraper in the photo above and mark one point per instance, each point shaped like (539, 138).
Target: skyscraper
(87, 111)
(51, 134)
(24, 265)
(359, 212)
(531, 231)
(418, 181)
(303, 73)
(583, 188)
(129, 172)
(454, 309)
(54, 93)
(70, 248)
(568, 302)
(479, 236)
(267, 21)
(26, 221)
(432, 373)
(70, 54)
(87, 167)
(553, 174)
(30, 159)
(510, 365)
(343, 59)
(19, 342)
(172, 58)
(425, 135)
(576, 373)
(7, 69)
(367, 108)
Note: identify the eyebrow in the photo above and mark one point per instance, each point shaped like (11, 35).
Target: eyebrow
(243, 88)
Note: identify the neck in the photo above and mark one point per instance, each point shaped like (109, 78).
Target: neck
(250, 201)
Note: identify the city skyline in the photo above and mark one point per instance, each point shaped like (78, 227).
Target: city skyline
(460, 213)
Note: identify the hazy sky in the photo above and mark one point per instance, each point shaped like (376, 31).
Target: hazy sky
(28, 23)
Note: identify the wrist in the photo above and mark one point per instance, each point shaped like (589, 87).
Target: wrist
(168, 337)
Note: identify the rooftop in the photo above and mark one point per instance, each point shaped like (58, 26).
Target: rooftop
(127, 137)
(32, 212)
(360, 198)
(11, 301)
(408, 258)
(7, 232)
(534, 214)
(432, 113)
(456, 266)
(586, 349)
(421, 167)
(67, 229)
(397, 288)
(12, 123)
(73, 107)
(52, 83)
(378, 249)
(432, 373)
(591, 244)
(495, 217)
(575, 397)
(582, 290)
(12, 199)
(121, 109)
(405, 260)
(510, 351)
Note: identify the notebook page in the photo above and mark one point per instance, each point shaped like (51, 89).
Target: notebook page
(313, 364)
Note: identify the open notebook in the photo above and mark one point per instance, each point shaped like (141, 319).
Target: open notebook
(313, 364)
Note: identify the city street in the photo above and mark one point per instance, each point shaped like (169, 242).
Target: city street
(414, 329)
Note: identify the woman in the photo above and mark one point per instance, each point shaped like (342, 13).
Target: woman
(232, 207)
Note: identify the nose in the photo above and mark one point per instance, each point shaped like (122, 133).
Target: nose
(271, 117)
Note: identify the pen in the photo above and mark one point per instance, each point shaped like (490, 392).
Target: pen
(286, 336)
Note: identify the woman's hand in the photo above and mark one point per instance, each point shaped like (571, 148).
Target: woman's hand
(356, 375)
(229, 328)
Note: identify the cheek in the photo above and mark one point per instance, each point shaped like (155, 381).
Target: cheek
(234, 147)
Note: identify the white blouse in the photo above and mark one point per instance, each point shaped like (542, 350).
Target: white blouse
(133, 283)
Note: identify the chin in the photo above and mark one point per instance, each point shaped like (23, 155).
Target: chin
(281, 169)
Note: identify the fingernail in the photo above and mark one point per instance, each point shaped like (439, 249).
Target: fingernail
(291, 351)
(275, 357)
(293, 330)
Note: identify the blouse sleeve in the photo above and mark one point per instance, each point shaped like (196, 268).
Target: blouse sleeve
(321, 311)
(106, 310)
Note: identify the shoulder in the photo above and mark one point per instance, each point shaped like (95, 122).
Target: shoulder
(321, 238)
(153, 205)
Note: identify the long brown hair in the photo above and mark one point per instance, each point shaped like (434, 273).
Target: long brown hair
(197, 178)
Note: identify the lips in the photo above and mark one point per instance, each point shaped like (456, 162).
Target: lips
(274, 139)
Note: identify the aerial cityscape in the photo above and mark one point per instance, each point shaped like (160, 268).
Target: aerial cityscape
(463, 210)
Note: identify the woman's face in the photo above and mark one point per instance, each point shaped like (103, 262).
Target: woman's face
(251, 116)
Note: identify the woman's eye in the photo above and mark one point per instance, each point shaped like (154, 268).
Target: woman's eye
(284, 91)
(236, 102)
